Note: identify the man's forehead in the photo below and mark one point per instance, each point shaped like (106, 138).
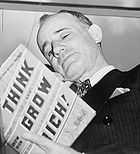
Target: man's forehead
(54, 24)
(61, 19)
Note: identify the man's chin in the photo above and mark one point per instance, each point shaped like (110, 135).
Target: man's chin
(73, 77)
(74, 72)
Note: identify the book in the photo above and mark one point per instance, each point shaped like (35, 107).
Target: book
(34, 100)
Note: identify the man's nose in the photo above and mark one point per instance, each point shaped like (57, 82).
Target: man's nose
(58, 49)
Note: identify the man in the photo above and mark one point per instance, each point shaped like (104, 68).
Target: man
(66, 41)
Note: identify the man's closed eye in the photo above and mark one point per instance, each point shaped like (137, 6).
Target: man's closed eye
(65, 36)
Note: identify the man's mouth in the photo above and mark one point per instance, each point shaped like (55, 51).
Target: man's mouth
(68, 60)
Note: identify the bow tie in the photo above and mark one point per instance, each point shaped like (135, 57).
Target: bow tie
(82, 87)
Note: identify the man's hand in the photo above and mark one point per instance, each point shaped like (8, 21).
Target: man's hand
(49, 146)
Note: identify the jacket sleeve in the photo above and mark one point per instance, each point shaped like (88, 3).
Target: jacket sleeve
(116, 149)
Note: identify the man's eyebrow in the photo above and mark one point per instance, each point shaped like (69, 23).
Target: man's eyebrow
(61, 30)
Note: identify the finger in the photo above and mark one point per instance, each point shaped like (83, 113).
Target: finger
(39, 140)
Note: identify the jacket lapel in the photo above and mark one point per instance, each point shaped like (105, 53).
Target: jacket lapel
(102, 91)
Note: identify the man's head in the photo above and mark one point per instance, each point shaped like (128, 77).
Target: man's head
(64, 40)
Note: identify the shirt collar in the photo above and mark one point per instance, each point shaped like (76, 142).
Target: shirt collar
(100, 74)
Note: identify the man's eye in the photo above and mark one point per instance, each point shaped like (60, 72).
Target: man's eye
(63, 37)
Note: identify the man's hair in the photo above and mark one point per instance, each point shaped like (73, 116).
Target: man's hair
(82, 18)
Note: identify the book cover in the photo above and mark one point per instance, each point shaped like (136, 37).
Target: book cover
(34, 100)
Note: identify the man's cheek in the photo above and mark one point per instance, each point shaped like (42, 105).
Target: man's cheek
(75, 71)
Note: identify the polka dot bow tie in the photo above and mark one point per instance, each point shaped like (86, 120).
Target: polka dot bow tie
(82, 87)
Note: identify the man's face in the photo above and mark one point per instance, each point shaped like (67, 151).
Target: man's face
(74, 51)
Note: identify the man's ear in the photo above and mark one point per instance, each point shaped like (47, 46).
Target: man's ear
(95, 32)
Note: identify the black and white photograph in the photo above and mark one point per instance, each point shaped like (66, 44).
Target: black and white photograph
(69, 77)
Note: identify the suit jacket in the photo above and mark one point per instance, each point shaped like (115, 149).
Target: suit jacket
(116, 126)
